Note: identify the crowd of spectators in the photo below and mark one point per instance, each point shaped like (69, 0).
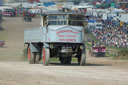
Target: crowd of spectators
(113, 34)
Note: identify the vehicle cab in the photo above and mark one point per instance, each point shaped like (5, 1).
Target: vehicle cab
(63, 27)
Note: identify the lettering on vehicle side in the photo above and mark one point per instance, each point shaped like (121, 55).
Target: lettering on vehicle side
(67, 36)
(63, 31)
(63, 36)
(69, 40)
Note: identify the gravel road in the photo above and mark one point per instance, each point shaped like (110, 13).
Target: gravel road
(15, 71)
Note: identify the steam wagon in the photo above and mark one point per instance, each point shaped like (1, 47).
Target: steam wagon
(60, 35)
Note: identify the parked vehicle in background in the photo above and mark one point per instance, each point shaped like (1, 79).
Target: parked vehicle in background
(61, 35)
(123, 17)
(98, 50)
(9, 12)
(91, 26)
(98, 25)
(34, 11)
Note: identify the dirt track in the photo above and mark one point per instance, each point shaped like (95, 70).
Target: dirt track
(15, 71)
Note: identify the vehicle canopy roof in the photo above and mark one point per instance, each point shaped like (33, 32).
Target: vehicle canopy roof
(58, 12)
(63, 18)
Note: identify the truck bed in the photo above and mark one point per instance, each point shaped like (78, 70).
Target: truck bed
(33, 35)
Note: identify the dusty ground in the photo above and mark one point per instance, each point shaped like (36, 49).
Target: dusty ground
(15, 71)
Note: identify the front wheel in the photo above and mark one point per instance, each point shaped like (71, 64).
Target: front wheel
(65, 60)
(81, 57)
(45, 56)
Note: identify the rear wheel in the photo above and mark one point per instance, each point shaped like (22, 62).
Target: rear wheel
(45, 56)
(31, 56)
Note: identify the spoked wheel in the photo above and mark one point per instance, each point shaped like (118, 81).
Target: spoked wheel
(45, 56)
(31, 56)
(82, 57)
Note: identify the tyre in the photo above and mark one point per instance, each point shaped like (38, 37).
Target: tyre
(65, 60)
(81, 57)
(31, 56)
(29, 19)
(69, 59)
(45, 56)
